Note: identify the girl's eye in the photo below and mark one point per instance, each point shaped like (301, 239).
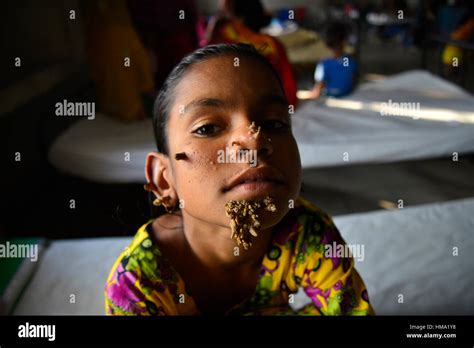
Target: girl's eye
(274, 125)
(207, 130)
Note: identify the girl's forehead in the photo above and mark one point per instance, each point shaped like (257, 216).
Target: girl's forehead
(226, 76)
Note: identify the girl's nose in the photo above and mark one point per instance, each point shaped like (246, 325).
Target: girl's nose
(251, 137)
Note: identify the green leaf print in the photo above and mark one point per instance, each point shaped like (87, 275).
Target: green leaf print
(266, 282)
(334, 307)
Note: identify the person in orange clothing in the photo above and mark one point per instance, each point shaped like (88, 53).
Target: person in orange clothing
(119, 63)
(463, 33)
(241, 21)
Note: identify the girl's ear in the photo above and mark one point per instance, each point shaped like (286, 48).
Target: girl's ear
(157, 172)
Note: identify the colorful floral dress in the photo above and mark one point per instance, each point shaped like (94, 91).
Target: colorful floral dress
(144, 282)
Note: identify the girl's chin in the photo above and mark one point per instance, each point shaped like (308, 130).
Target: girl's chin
(269, 214)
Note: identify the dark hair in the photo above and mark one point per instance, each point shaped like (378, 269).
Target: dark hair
(165, 98)
(335, 34)
(252, 13)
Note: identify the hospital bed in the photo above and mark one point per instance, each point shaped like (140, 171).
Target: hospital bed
(412, 115)
(409, 252)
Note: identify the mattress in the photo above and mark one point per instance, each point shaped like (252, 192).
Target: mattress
(334, 132)
(408, 252)
(70, 278)
(372, 125)
(418, 261)
(104, 150)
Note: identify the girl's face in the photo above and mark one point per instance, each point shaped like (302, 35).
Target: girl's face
(214, 105)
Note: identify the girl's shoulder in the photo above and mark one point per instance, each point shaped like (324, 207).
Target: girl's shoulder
(141, 242)
(142, 278)
(306, 230)
(143, 258)
(307, 207)
(315, 228)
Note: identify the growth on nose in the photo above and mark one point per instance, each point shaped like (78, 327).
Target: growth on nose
(254, 130)
(245, 144)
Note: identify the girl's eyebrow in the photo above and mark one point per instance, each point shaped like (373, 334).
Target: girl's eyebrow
(203, 102)
(213, 102)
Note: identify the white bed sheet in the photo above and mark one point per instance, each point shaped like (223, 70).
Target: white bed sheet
(410, 252)
(407, 251)
(71, 270)
(351, 130)
(97, 149)
(104, 150)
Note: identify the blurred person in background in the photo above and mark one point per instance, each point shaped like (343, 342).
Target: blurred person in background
(168, 30)
(118, 61)
(241, 21)
(335, 76)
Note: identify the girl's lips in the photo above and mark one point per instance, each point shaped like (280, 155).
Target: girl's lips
(260, 178)
(260, 186)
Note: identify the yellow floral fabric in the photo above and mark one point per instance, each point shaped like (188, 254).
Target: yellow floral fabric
(144, 282)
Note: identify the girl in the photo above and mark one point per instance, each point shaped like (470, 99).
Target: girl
(237, 239)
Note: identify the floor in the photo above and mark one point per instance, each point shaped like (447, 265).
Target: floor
(359, 188)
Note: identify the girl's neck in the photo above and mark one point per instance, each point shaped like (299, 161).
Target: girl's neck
(212, 246)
